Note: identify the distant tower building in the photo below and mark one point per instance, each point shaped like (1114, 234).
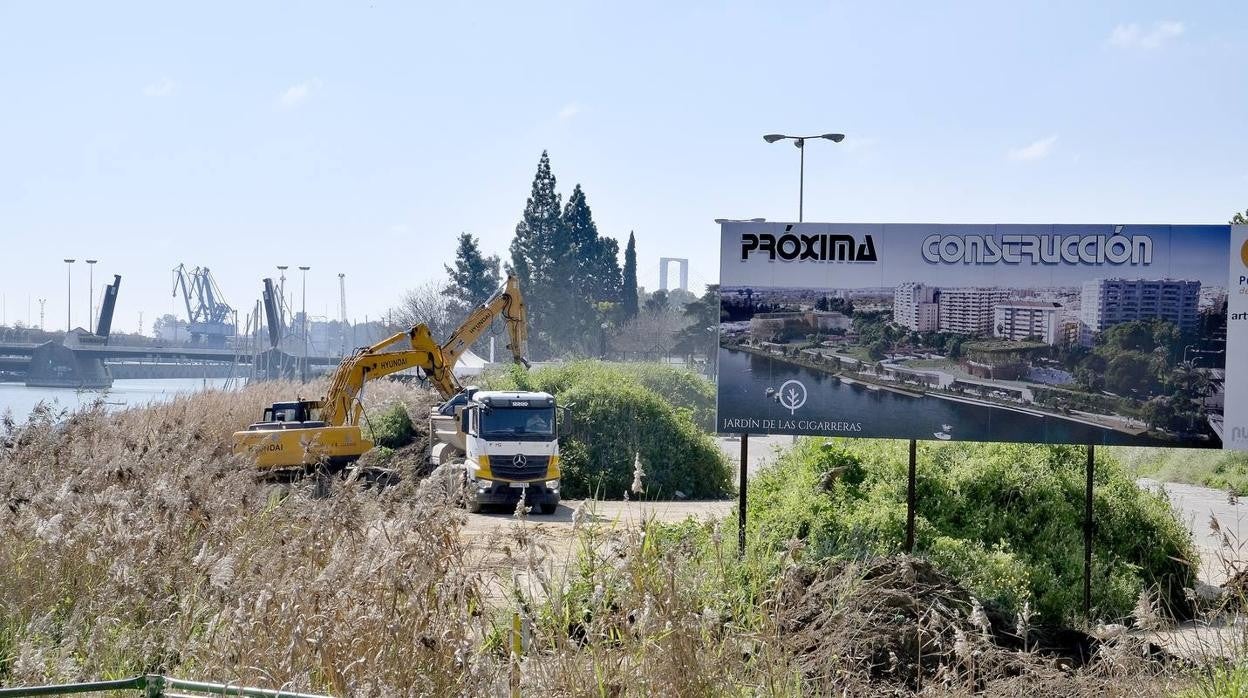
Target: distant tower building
(969, 311)
(1107, 302)
(664, 262)
(915, 306)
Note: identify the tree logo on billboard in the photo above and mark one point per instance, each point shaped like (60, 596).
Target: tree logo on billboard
(792, 395)
(1243, 253)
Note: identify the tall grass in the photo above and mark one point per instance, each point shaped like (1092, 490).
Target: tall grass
(136, 541)
(1224, 470)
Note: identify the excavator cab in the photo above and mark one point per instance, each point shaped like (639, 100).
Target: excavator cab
(288, 415)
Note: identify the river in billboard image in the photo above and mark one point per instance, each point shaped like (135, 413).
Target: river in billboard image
(751, 399)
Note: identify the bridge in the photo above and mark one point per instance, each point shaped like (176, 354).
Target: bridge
(80, 360)
(83, 361)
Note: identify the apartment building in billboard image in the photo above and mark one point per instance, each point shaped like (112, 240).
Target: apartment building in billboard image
(969, 311)
(915, 306)
(1108, 302)
(1018, 320)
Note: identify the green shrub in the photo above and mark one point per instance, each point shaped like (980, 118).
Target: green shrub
(681, 388)
(392, 428)
(1222, 681)
(1005, 518)
(1224, 470)
(622, 410)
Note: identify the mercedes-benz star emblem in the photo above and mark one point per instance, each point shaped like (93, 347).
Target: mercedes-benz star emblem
(519, 461)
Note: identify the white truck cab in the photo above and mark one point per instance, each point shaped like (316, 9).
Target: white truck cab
(508, 442)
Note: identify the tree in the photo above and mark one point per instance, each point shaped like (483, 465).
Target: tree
(657, 302)
(542, 258)
(1240, 218)
(701, 336)
(597, 258)
(628, 290)
(471, 281)
(566, 268)
(1130, 372)
(474, 277)
(595, 276)
(426, 304)
(652, 334)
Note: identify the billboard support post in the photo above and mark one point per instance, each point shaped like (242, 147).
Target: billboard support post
(745, 465)
(910, 499)
(1087, 535)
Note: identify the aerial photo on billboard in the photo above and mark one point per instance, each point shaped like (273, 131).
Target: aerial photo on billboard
(1076, 334)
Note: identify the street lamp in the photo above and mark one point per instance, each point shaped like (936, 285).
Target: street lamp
(800, 142)
(281, 291)
(69, 296)
(91, 295)
(304, 372)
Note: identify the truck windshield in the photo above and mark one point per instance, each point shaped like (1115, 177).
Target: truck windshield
(535, 423)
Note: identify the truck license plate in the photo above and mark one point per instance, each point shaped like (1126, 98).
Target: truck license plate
(519, 485)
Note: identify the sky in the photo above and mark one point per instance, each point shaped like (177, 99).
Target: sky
(1191, 252)
(363, 138)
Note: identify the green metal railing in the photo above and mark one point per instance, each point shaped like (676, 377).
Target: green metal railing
(154, 686)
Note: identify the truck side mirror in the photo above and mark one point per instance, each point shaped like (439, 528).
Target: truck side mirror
(465, 422)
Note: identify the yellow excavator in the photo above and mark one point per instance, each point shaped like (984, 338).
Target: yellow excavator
(303, 433)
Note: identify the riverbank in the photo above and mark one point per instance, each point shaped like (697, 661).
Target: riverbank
(20, 399)
(1109, 422)
(989, 428)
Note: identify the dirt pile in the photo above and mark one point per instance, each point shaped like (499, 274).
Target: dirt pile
(901, 626)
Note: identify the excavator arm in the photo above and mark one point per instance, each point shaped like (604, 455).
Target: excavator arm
(416, 348)
(508, 302)
(341, 404)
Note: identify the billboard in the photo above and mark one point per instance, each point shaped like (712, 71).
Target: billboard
(1078, 334)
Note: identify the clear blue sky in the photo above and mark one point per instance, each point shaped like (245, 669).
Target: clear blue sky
(363, 138)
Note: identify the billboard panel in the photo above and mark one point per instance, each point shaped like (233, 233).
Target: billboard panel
(1079, 334)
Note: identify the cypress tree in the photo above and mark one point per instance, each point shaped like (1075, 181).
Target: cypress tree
(542, 256)
(628, 291)
(597, 258)
(539, 228)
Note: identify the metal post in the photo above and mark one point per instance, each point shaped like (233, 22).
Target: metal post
(1087, 535)
(69, 296)
(91, 295)
(801, 179)
(910, 499)
(741, 496)
(303, 371)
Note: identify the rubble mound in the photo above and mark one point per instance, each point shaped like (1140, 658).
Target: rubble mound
(901, 622)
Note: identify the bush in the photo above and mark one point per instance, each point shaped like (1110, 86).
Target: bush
(1224, 470)
(624, 410)
(681, 388)
(1007, 519)
(392, 428)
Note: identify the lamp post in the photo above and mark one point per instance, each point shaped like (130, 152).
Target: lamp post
(69, 295)
(91, 295)
(281, 291)
(304, 371)
(800, 142)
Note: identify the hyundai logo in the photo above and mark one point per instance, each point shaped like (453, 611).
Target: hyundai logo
(519, 461)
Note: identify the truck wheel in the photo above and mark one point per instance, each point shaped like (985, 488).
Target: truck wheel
(548, 508)
(471, 503)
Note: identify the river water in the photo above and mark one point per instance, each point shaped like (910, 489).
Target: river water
(21, 399)
(833, 407)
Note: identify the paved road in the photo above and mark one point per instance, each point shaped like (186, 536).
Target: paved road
(1197, 507)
